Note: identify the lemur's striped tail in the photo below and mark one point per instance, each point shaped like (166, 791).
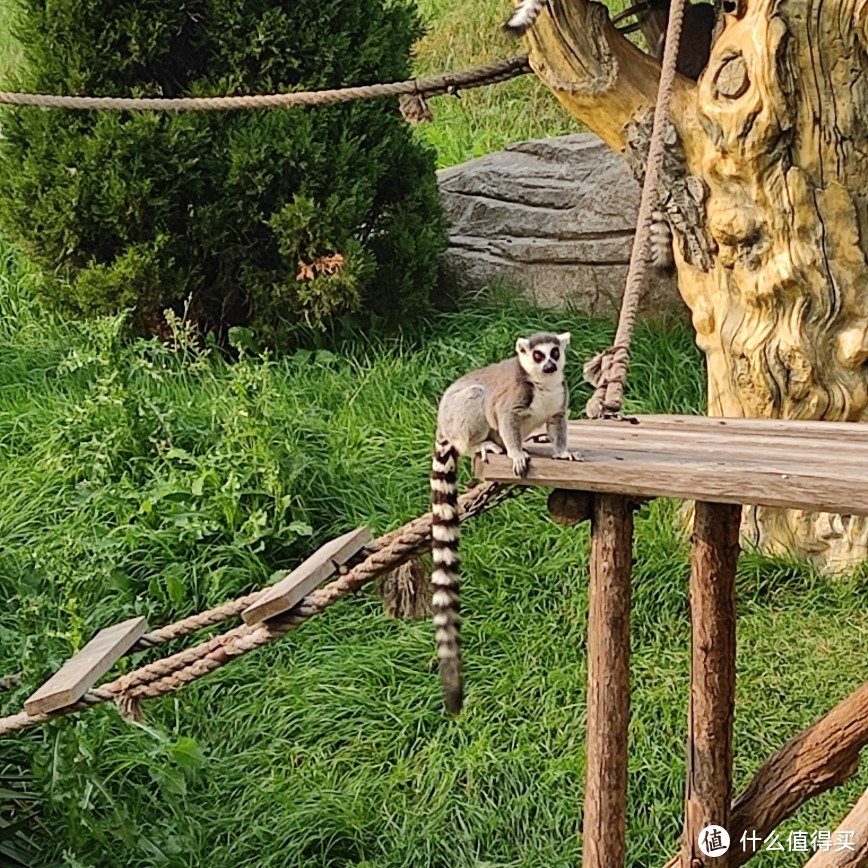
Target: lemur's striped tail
(660, 242)
(524, 16)
(445, 533)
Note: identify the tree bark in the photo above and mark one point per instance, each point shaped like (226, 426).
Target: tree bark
(605, 811)
(823, 756)
(853, 830)
(767, 190)
(712, 678)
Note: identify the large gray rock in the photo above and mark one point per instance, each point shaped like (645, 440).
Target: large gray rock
(553, 218)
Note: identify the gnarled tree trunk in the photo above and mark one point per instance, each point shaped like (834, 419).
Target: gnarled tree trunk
(767, 184)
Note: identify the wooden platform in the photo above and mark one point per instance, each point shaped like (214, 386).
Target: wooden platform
(721, 464)
(819, 466)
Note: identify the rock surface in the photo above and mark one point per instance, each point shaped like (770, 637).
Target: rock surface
(553, 218)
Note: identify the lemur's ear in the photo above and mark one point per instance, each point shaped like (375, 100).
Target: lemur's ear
(564, 339)
(522, 345)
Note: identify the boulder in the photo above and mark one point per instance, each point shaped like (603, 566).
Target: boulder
(553, 218)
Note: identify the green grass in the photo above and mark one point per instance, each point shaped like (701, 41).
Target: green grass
(138, 479)
(10, 51)
(464, 34)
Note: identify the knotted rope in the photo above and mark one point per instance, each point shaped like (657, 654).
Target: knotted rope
(607, 371)
(171, 673)
(479, 76)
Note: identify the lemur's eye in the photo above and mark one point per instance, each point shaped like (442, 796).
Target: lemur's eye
(556, 353)
(538, 356)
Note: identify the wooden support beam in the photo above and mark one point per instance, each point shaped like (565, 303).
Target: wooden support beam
(569, 507)
(82, 671)
(853, 828)
(321, 565)
(823, 756)
(605, 809)
(714, 559)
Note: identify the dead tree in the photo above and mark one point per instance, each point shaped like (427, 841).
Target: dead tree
(766, 187)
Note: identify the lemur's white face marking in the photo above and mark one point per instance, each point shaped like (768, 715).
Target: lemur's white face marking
(542, 355)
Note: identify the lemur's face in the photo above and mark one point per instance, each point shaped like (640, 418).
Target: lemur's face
(542, 355)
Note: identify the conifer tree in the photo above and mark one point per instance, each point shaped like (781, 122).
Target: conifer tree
(269, 217)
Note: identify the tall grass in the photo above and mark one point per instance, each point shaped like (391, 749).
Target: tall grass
(159, 480)
(463, 34)
(10, 51)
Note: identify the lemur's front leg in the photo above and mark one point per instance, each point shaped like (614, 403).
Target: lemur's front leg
(556, 430)
(510, 433)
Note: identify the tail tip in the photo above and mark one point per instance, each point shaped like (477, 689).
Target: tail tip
(453, 700)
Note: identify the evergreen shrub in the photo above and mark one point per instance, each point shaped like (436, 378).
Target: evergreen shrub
(272, 218)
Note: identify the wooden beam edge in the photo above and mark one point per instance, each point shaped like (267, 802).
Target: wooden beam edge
(315, 569)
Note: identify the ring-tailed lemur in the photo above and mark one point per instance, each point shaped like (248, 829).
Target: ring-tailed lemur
(490, 410)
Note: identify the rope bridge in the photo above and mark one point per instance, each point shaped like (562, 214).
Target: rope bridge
(171, 673)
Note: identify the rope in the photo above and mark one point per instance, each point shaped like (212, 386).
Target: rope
(171, 673)
(432, 86)
(607, 371)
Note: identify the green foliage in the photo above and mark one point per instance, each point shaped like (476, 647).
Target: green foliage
(18, 807)
(228, 209)
(160, 479)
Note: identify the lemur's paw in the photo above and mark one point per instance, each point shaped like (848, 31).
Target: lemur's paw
(520, 463)
(489, 446)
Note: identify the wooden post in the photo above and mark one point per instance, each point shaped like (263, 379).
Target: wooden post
(712, 680)
(605, 819)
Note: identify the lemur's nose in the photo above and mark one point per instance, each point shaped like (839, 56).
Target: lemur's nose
(549, 367)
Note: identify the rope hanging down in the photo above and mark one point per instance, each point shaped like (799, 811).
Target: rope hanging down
(432, 86)
(607, 371)
(171, 673)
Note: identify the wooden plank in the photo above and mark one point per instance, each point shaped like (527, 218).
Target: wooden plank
(818, 449)
(605, 807)
(708, 794)
(82, 671)
(846, 431)
(658, 475)
(322, 564)
(825, 459)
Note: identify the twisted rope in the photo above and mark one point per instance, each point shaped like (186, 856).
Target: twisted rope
(171, 673)
(607, 371)
(479, 76)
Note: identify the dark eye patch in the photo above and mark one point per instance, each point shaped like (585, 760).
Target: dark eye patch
(538, 356)
(556, 353)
